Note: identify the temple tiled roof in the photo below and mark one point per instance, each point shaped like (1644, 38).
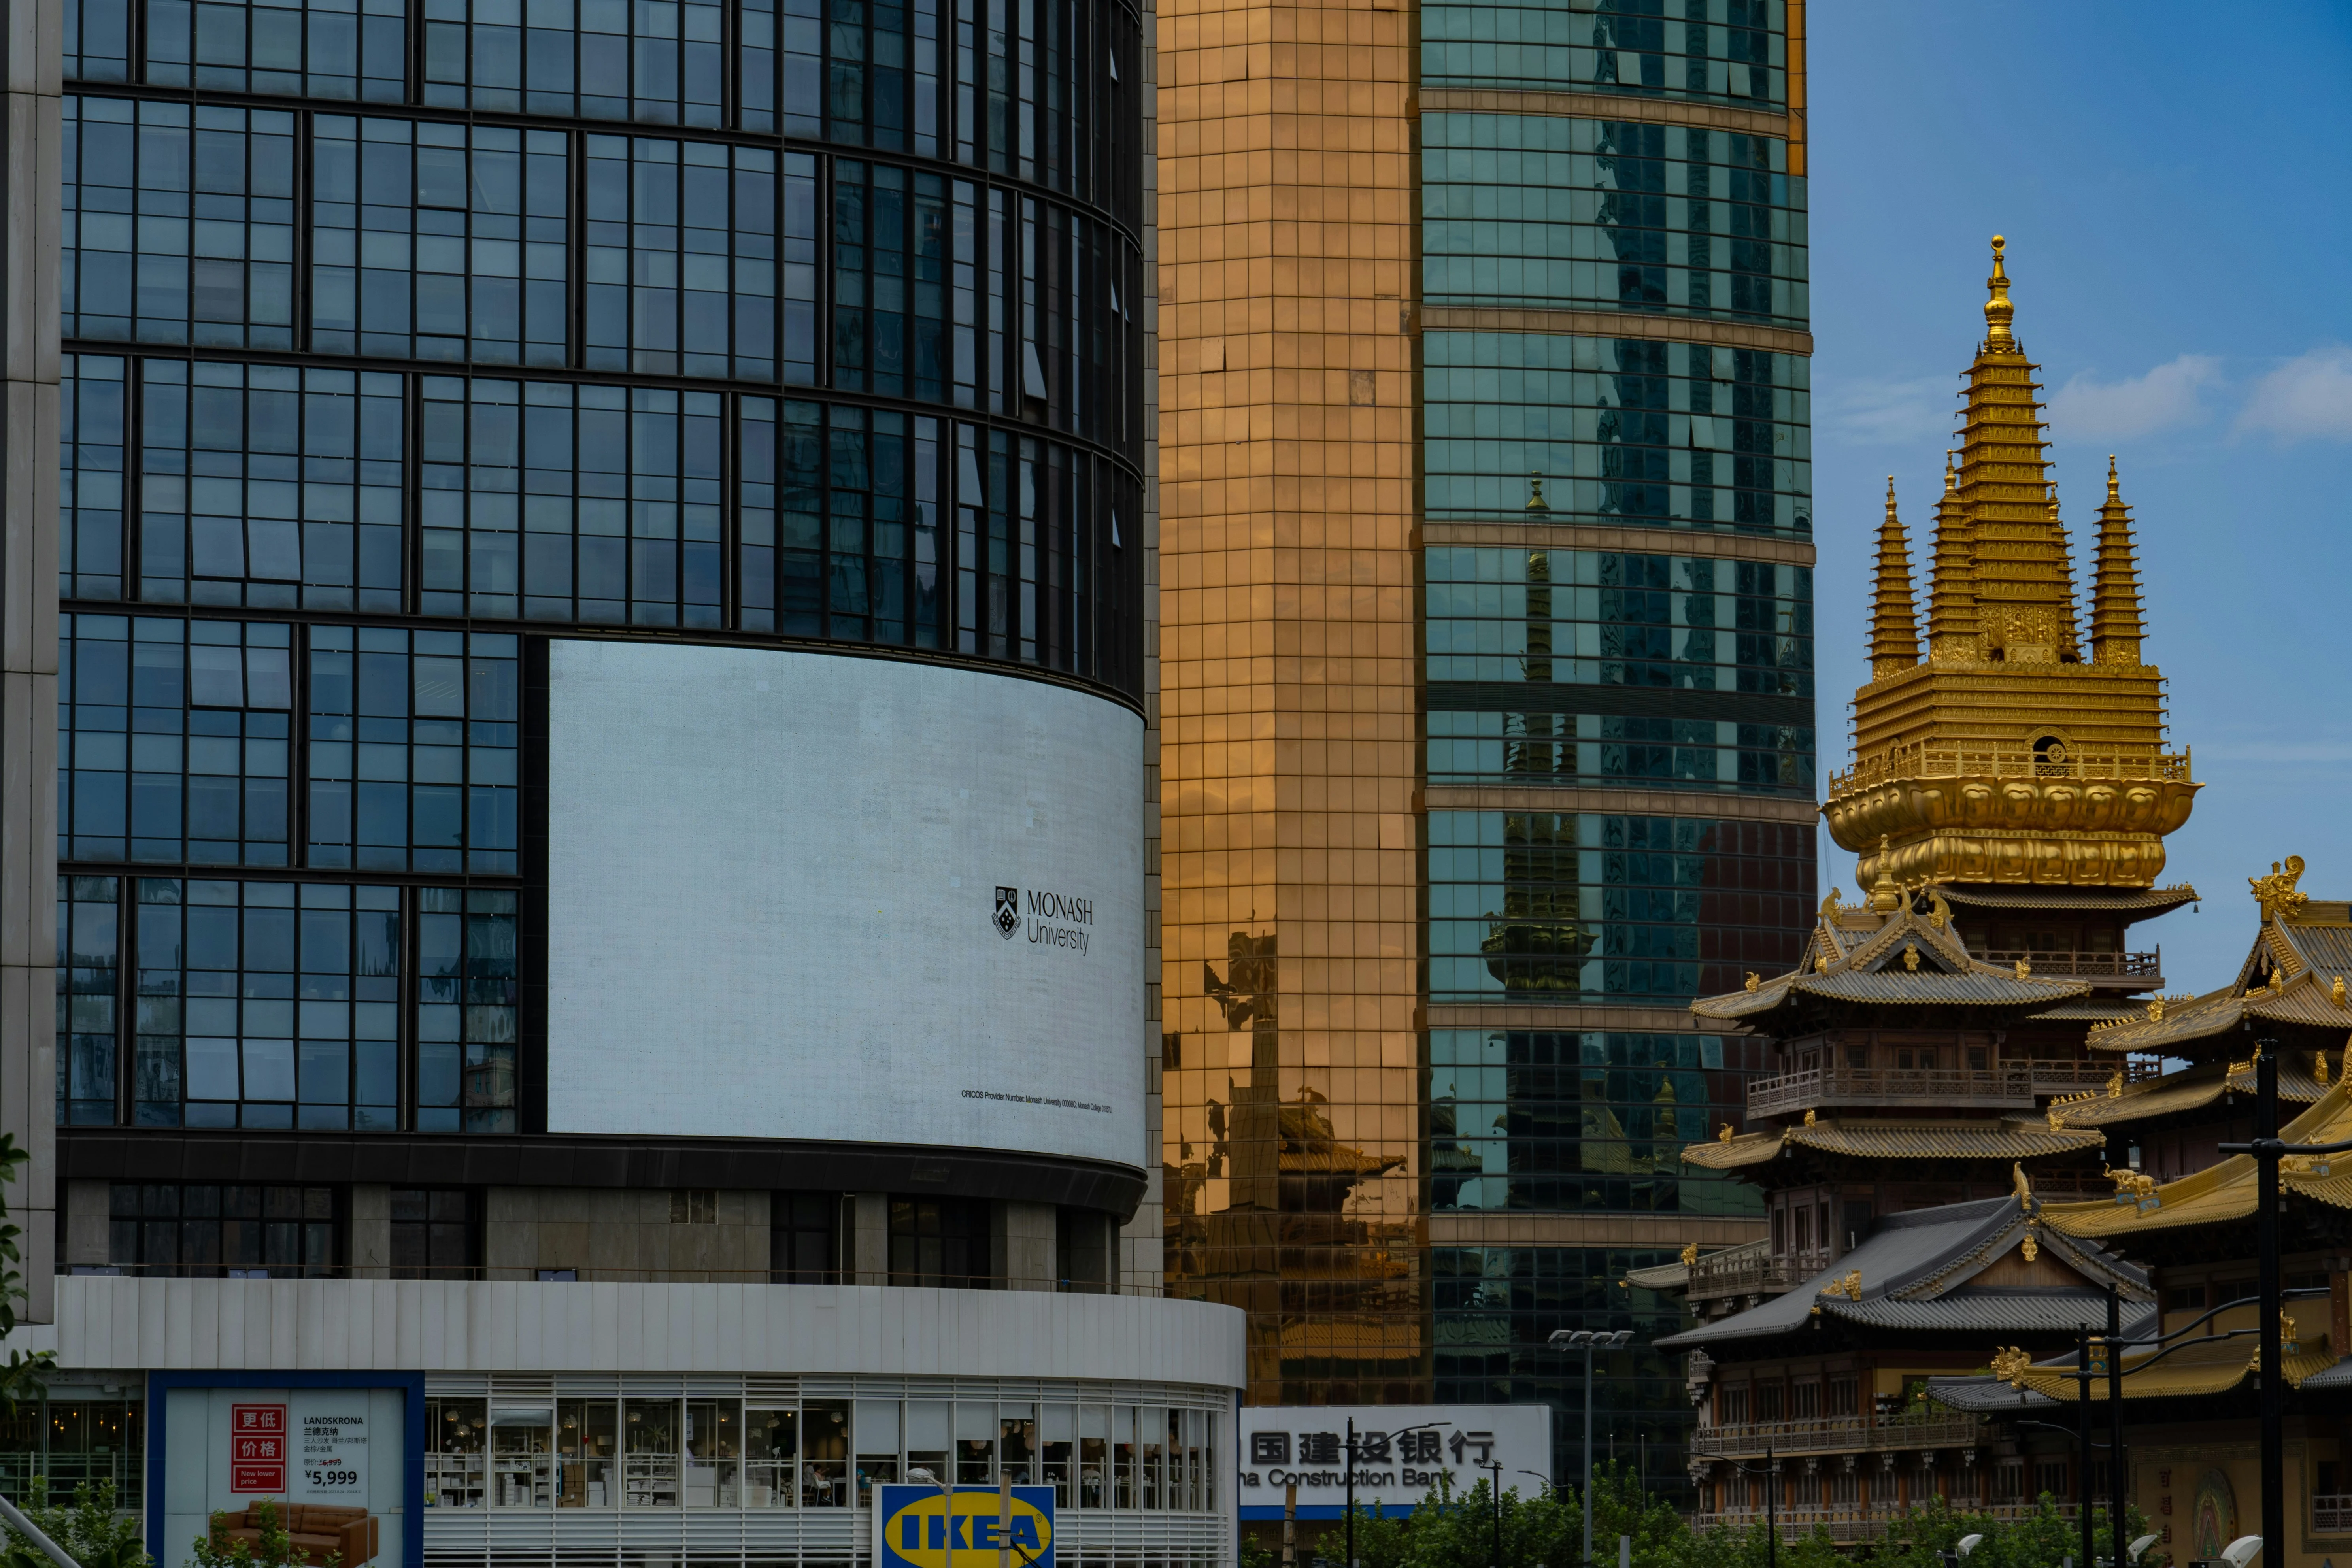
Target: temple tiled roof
(2011, 1138)
(1916, 1272)
(2188, 1370)
(2139, 900)
(1897, 957)
(2298, 974)
(2192, 1088)
(2224, 1193)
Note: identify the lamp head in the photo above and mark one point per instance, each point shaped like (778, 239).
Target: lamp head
(2137, 1547)
(920, 1473)
(1968, 1544)
(2242, 1551)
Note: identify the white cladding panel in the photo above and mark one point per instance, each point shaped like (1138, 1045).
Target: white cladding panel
(777, 888)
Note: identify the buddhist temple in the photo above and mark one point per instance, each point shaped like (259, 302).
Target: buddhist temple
(1951, 1058)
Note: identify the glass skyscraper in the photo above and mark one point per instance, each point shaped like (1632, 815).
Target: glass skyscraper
(1487, 684)
(574, 689)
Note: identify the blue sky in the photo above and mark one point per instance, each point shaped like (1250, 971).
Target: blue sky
(2173, 187)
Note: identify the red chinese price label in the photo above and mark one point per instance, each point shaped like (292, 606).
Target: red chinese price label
(257, 1449)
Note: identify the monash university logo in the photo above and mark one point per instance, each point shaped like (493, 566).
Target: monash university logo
(1008, 911)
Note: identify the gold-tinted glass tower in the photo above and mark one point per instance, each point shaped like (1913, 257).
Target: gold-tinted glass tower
(1288, 710)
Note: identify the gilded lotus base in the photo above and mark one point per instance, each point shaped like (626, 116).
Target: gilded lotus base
(2059, 831)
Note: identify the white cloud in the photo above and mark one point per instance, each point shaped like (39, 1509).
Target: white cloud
(2085, 409)
(2307, 398)
(1890, 412)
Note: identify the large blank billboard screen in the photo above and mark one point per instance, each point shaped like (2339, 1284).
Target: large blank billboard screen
(810, 896)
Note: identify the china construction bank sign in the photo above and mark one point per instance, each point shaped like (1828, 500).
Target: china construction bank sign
(1402, 1453)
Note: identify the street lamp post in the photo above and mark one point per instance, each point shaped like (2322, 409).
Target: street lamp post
(2115, 1421)
(2267, 1149)
(1589, 1340)
(1350, 1482)
(2083, 1427)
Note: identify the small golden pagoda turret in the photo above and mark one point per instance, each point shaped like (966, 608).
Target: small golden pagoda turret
(1893, 623)
(2006, 757)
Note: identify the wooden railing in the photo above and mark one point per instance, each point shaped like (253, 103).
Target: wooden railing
(1860, 1522)
(2053, 964)
(1924, 761)
(2332, 1514)
(1836, 1434)
(1745, 1270)
(2011, 1085)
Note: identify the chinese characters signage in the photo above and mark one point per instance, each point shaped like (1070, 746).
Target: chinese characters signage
(257, 1449)
(1401, 1453)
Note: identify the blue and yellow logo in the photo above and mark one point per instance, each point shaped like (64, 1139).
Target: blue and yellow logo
(916, 1528)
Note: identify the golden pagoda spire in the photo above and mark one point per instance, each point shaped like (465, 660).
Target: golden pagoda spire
(2006, 758)
(2025, 587)
(1998, 311)
(2116, 629)
(1952, 629)
(1893, 623)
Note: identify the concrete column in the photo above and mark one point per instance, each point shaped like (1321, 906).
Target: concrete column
(1025, 1237)
(371, 1236)
(869, 1238)
(89, 1237)
(28, 632)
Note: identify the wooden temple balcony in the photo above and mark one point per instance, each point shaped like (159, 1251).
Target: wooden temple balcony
(2010, 1086)
(2142, 970)
(1747, 1269)
(1836, 1434)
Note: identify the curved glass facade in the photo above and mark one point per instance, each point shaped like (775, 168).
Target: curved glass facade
(400, 336)
(1726, 51)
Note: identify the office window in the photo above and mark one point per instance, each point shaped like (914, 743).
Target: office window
(1542, 1120)
(179, 224)
(862, 554)
(890, 300)
(1737, 55)
(1598, 617)
(98, 40)
(266, 485)
(438, 242)
(435, 1233)
(1550, 906)
(681, 262)
(465, 1010)
(307, 49)
(805, 1238)
(89, 956)
(940, 1241)
(657, 61)
(1609, 428)
(413, 739)
(587, 504)
(694, 1205)
(267, 1005)
(244, 1232)
(1516, 746)
(90, 480)
(172, 740)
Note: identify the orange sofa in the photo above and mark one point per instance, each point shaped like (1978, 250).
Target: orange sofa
(315, 1530)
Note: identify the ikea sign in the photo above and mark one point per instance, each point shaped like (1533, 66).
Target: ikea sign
(922, 1527)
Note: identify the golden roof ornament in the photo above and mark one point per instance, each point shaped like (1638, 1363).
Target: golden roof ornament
(1808, 1118)
(1939, 914)
(2319, 1066)
(1752, 983)
(1895, 619)
(1724, 1136)
(2030, 1245)
(2115, 1084)
(2020, 1187)
(1849, 1287)
(1821, 963)
(1911, 956)
(1998, 310)
(2336, 991)
(2024, 970)
(2011, 1366)
(2277, 893)
(2155, 1009)
(1690, 1255)
(1885, 892)
(2056, 1116)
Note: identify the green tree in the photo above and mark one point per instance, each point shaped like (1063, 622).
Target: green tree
(21, 1376)
(91, 1530)
(274, 1548)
